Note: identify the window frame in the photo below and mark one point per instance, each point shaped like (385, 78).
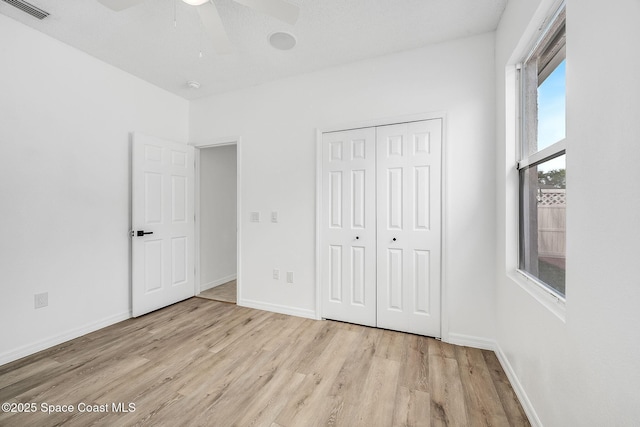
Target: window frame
(551, 47)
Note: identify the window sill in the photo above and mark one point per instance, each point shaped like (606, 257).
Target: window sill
(552, 302)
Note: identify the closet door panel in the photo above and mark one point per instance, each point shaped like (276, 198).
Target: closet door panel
(408, 233)
(348, 241)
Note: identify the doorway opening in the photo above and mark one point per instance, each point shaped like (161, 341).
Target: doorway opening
(217, 222)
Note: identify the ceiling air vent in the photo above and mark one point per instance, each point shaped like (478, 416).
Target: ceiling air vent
(28, 8)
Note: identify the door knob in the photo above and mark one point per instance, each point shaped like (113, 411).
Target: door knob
(141, 233)
(357, 237)
(394, 239)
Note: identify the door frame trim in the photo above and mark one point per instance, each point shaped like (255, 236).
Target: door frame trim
(444, 313)
(219, 142)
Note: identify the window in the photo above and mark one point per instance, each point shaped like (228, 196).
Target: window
(542, 165)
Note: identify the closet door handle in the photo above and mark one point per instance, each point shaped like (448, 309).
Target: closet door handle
(394, 239)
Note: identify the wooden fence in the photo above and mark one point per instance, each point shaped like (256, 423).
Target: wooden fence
(552, 205)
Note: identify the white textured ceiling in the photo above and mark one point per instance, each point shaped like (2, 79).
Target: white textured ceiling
(144, 41)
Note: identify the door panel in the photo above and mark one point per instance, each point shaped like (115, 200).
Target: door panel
(358, 191)
(358, 268)
(348, 227)
(152, 198)
(152, 256)
(422, 281)
(179, 199)
(408, 233)
(162, 204)
(394, 198)
(336, 273)
(394, 280)
(335, 199)
(422, 198)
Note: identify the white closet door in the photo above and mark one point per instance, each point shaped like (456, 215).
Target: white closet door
(408, 232)
(348, 224)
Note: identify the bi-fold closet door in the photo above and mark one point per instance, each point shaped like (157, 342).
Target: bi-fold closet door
(381, 226)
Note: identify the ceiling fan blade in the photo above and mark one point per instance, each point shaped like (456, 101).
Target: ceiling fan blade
(279, 9)
(119, 5)
(213, 25)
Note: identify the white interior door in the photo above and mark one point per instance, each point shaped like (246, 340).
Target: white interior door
(348, 242)
(409, 226)
(163, 223)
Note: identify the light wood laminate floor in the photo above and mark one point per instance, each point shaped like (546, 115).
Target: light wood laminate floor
(206, 363)
(226, 292)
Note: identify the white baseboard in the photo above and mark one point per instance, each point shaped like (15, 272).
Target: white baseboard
(30, 349)
(218, 282)
(276, 308)
(471, 341)
(534, 420)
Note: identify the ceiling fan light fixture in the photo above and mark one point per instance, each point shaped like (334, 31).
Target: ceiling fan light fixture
(282, 41)
(195, 2)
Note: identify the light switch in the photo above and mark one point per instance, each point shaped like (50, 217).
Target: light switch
(254, 217)
(274, 216)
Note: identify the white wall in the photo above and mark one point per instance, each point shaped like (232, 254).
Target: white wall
(65, 119)
(278, 121)
(581, 367)
(218, 216)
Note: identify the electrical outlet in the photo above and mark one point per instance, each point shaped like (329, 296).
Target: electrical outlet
(41, 300)
(289, 276)
(276, 274)
(254, 217)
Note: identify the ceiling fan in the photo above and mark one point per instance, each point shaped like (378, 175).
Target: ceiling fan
(279, 9)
